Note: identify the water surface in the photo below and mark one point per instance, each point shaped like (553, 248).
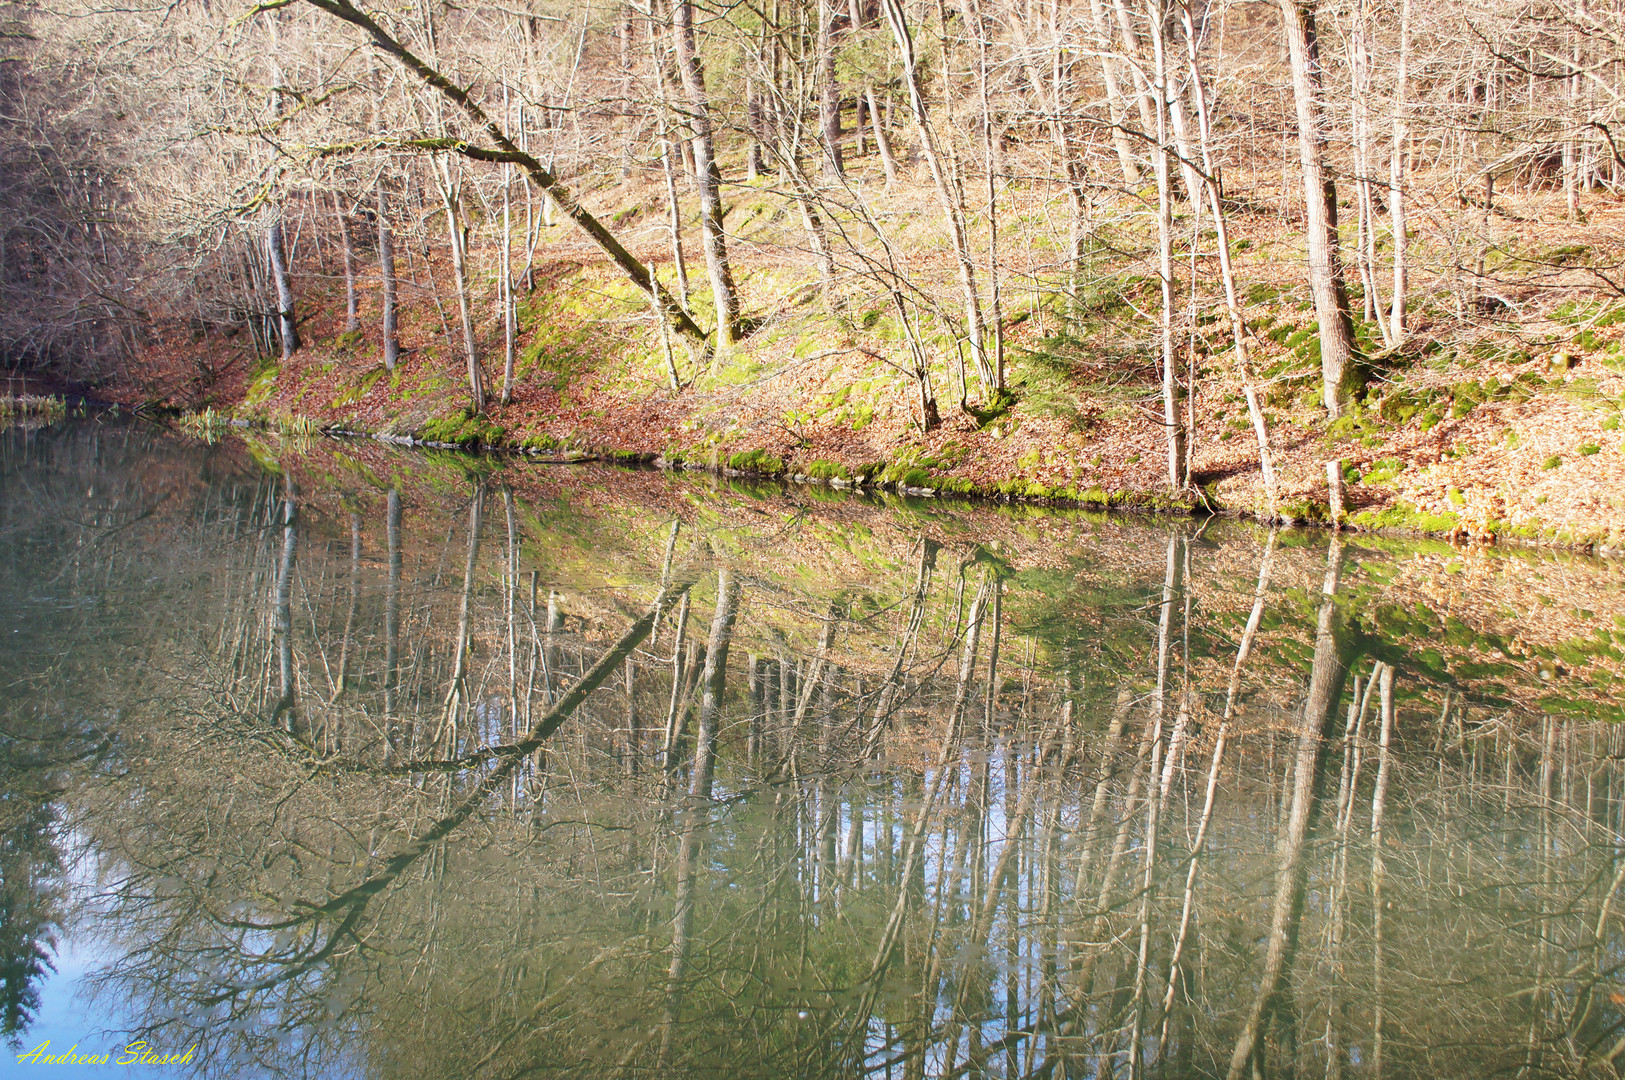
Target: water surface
(331, 760)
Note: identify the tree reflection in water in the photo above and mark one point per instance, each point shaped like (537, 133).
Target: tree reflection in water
(413, 766)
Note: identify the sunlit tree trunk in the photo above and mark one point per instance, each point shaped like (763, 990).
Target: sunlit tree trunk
(707, 175)
(949, 194)
(386, 275)
(449, 182)
(352, 312)
(1340, 377)
(1396, 179)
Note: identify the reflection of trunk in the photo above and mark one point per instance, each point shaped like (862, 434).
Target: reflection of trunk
(1326, 677)
(1337, 900)
(343, 678)
(392, 623)
(682, 924)
(1243, 651)
(1379, 799)
(679, 676)
(911, 869)
(344, 912)
(712, 682)
(885, 698)
(699, 790)
(287, 702)
(510, 600)
(457, 691)
(1153, 809)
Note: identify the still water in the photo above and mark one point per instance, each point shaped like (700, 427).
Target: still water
(324, 759)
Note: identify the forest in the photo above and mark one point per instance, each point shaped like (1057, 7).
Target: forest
(1353, 263)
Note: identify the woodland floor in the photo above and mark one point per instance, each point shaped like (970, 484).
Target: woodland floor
(1500, 418)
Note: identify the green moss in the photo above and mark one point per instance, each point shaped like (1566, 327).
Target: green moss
(465, 430)
(828, 470)
(261, 383)
(1305, 510)
(756, 461)
(1402, 515)
(358, 390)
(1382, 471)
(916, 478)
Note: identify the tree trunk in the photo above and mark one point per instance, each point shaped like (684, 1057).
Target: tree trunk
(949, 194)
(386, 273)
(352, 313)
(707, 177)
(1339, 374)
(450, 186)
(1396, 178)
(287, 324)
(1232, 297)
(1174, 429)
(829, 92)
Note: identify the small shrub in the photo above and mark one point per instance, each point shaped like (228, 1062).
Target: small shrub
(1589, 448)
(1552, 462)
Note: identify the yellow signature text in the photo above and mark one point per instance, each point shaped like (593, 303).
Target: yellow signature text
(136, 1053)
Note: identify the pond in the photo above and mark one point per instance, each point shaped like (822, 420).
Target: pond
(332, 759)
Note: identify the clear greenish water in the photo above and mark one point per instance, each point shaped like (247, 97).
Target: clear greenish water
(296, 771)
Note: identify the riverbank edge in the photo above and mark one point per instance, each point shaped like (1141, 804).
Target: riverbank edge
(1398, 519)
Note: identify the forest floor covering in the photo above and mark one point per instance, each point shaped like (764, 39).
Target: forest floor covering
(1499, 419)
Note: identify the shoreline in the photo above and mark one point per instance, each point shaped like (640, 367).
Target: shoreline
(1119, 502)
